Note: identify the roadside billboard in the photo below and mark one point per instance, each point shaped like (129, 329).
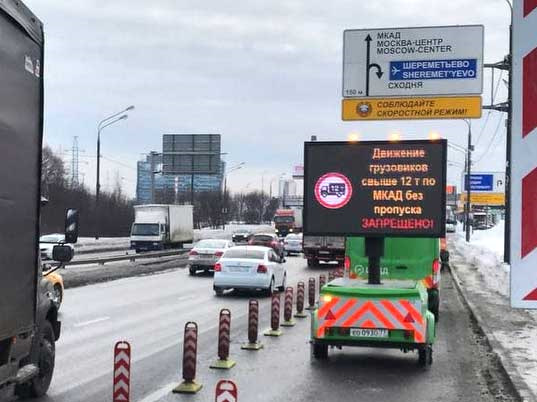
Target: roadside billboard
(375, 188)
(191, 154)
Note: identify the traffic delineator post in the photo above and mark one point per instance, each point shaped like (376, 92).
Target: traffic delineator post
(274, 329)
(122, 372)
(253, 325)
(288, 308)
(190, 349)
(311, 294)
(224, 339)
(322, 282)
(300, 300)
(226, 391)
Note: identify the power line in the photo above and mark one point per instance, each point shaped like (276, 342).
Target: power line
(492, 140)
(489, 112)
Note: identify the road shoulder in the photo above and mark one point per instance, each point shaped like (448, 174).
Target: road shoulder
(510, 333)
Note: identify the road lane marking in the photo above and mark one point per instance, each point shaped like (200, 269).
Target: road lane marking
(90, 322)
(159, 394)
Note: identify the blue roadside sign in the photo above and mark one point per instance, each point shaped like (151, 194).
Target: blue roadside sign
(480, 182)
(433, 69)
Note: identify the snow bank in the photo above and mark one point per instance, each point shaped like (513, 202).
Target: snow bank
(485, 252)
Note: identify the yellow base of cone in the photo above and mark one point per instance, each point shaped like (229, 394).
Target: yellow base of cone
(310, 308)
(185, 387)
(272, 332)
(290, 323)
(252, 346)
(301, 315)
(223, 364)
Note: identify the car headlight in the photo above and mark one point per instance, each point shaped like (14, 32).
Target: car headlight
(276, 230)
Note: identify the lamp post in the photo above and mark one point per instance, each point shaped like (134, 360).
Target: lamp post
(467, 181)
(224, 206)
(101, 126)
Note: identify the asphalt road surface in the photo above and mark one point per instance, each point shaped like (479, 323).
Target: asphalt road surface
(150, 312)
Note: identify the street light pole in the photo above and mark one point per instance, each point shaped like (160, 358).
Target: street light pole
(467, 181)
(101, 126)
(224, 203)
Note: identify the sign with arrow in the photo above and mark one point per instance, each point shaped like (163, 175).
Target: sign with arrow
(429, 61)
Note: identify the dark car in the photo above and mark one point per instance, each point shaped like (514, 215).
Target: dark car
(268, 240)
(241, 236)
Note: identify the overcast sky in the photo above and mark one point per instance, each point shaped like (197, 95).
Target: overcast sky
(264, 74)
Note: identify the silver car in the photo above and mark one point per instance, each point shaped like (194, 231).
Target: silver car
(47, 243)
(206, 253)
(293, 244)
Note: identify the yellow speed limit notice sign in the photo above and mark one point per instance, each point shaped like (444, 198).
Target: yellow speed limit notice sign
(460, 107)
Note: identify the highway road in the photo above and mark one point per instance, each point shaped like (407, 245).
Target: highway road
(150, 312)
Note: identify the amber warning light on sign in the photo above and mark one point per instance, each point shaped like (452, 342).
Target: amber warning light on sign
(375, 188)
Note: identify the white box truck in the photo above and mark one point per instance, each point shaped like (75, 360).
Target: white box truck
(158, 227)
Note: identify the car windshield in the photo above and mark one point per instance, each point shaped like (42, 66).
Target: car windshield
(211, 244)
(263, 238)
(145, 229)
(245, 253)
(284, 219)
(292, 237)
(52, 238)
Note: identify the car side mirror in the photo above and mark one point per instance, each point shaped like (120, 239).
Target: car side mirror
(71, 226)
(62, 253)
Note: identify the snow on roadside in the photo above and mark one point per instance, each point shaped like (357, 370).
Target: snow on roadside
(485, 252)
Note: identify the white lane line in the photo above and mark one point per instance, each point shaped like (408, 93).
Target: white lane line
(160, 393)
(90, 322)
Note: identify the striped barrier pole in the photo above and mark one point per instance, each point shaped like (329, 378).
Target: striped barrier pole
(226, 391)
(300, 290)
(322, 282)
(253, 325)
(274, 329)
(224, 338)
(190, 349)
(311, 294)
(288, 308)
(122, 370)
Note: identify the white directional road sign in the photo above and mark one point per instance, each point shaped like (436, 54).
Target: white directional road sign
(413, 61)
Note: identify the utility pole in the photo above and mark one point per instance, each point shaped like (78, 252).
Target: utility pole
(152, 162)
(74, 162)
(468, 183)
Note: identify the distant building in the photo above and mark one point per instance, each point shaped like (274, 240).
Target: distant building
(174, 184)
(286, 188)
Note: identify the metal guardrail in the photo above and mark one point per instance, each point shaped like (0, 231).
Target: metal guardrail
(128, 257)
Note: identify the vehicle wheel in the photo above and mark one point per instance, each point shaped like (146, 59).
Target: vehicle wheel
(284, 283)
(271, 290)
(43, 354)
(192, 271)
(219, 292)
(58, 296)
(434, 304)
(425, 356)
(310, 262)
(319, 351)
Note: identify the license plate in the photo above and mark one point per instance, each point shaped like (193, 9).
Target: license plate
(369, 333)
(239, 269)
(324, 252)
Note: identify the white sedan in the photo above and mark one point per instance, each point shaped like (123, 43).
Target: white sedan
(47, 243)
(206, 253)
(249, 267)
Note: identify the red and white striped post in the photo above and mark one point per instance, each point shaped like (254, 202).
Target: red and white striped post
(122, 372)
(523, 200)
(190, 351)
(288, 308)
(226, 391)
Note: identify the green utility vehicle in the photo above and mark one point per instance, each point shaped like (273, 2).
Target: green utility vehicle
(397, 313)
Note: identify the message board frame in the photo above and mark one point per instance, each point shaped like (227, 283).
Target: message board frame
(342, 212)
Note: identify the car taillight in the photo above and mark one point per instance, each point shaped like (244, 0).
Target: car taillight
(193, 252)
(347, 263)
(262, 269)
(217, 267)
(436, 272)
(273, 244)
(219, 254)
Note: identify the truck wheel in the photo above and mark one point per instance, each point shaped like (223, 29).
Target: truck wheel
(425, 356)
(43, 354)
(192, 271)
(434, 304)
(319, 351)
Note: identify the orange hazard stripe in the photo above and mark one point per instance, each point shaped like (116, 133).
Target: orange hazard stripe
(412, 310)
(356, 316)
(428, 281)
(368, 324)
(327, 306)
(379, 316)
(388, 306)
(338, 314)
